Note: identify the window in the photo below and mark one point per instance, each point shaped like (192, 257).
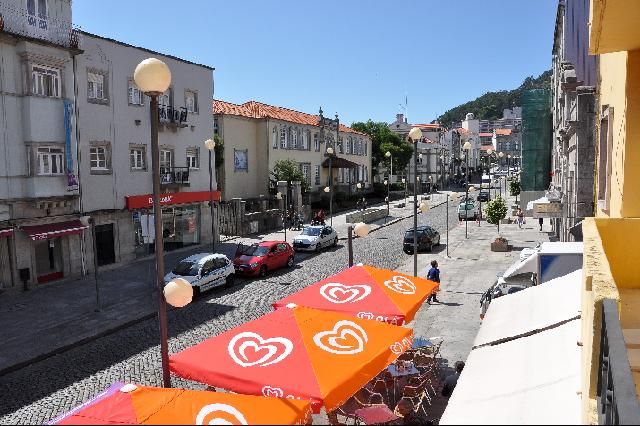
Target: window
(604, 153)
(340, 145)
(192, 158)
(164, 100)
(340, 175)
(366, 173)
(138, 158)
(294, 138)
(166, 158)
(45, 81)
(191, 101)
(317, 179)
(274, 138)
(50, 161)
(305, 139)
(365, 147)
(136, 97)
(95, 86)
(283, 137)
(348, 148)
(316, 142)
(216, 126)
(306, 172)
(37, 13)
(98, 158)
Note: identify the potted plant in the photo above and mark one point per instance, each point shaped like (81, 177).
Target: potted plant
(495, 212)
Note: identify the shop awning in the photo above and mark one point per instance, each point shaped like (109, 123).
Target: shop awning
(53, 230)
(339, 163)
(6, 233)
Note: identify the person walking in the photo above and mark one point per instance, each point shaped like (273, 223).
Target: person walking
(434, 275)
(452, 380)
(520, 215)
(540, 221)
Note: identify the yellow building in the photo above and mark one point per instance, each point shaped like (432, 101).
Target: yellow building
(611, 349)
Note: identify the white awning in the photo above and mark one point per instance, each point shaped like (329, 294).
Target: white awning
(531, 310)
(530, 264)
(531, 380)
(543, 200)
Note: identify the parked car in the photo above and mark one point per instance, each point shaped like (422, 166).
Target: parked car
(204, 271)
(427, 238)
(484, 196)
(467, 210)
(315, 238)
(260, 258)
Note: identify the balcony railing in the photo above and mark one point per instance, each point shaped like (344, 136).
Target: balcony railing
(20, 22)
(174, 175)
(170, 115)
(617, 400)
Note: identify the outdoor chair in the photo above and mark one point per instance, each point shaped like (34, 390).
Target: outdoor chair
(417, 395)
(406, 356)
(362, 399)
(380, 386)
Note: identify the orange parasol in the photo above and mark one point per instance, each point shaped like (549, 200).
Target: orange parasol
(366, 292)
(298, 353)
(131, 404)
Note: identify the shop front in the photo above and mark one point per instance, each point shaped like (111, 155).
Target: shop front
(181, 220)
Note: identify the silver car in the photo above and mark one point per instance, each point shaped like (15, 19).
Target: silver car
(315, 238)
(204, 271)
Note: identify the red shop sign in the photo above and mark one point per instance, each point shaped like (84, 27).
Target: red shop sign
(146, 201)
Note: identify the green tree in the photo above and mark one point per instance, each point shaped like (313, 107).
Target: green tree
(383, 140)
(515, 188)
(290, 171)
(496, 211)
(219, 150)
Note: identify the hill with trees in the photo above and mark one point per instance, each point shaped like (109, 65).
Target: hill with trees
(490, 105)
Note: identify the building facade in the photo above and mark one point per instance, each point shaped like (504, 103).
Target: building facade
(256, 136)
(574, 117)
(75, 143)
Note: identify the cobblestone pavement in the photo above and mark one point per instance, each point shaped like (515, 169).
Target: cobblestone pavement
(43, 390)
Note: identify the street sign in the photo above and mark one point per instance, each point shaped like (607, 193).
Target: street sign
(547, 210)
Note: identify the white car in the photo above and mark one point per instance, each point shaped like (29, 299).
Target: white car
(315, 238)
(204, 271)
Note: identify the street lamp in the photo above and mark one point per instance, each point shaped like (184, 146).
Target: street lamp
(329, 189)
(386, 183)
(451, 197)
(466, 147)
(501, 155)
(508, 169)
(390, 157)
(89, 221)
(466, 214)
(404, 182)
(415, 135)
(283, 197)
(153, 77)
(210, 144)
(358, 190)
(361, 230)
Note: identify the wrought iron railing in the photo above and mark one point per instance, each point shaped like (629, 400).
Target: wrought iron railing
(20, 22)
(172, 115)
(174, 175)
(617, 400)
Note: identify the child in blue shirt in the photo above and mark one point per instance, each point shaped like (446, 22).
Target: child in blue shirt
(433, 275)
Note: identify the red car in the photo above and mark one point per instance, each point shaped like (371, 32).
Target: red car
(258, 259)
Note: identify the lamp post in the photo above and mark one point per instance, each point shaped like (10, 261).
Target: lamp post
(466, 147)
(501, 155)
(329, 189)
(386, 182)
(358, 190)
(390, 157)
(361, 230)
(466, 214)
(153, 77)
(283, 197)
(404, 182)
(508, 167)
(451, 197)
(210, 144)
(89, 221)
(415, 135)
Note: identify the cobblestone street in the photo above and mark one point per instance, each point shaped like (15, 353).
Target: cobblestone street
(43, 390)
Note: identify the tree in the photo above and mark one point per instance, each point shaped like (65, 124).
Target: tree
(515, 188)
(219, 150)
(289, 171)
(383, 140)
(496, 211)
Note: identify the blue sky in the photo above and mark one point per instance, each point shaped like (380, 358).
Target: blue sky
(355, 57)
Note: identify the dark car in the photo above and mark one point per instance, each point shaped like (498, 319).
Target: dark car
(258, 259)
(484, 196)
(427, 238)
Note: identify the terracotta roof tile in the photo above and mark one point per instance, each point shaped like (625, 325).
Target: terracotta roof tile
(253, 109)
(503, 132)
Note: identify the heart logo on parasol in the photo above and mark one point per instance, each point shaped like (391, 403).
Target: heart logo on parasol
(397, 348)
(230, 415)
(401, 285)
(340, 293)
(365, 315)
(248, 349)
(346, 338)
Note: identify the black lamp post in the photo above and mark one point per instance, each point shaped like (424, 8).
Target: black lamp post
(283, 197)
(466, 210)
(210, 144)
(360, 230)
(415, 135)
(329, 188)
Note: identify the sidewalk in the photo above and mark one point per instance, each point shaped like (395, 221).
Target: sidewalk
(52, 318)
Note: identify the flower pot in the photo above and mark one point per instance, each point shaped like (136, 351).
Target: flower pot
(500, 245)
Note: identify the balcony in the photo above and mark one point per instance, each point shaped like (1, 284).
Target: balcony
(174, 176)
(19, 22)
(172, 117)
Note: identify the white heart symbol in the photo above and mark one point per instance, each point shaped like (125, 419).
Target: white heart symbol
(278, 348)
(269, 391)
(340, 331)
(336, 292)
(401, 285)
(365, 315)
(224, 408)
(397, 348)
